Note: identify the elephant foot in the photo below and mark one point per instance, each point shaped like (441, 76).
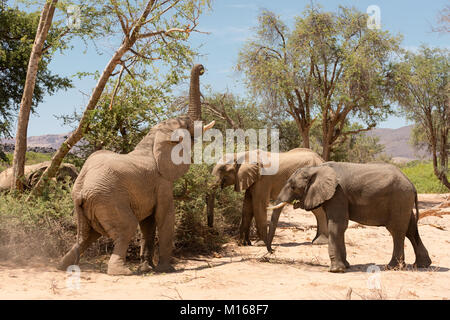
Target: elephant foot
(422, 263)
(244, 243)
(68, 260)
(346, 264)
(320, 240)
(338, 267)
(145, 267)
(166, 268)
(118, 270)
(116, 267)
(396, 265)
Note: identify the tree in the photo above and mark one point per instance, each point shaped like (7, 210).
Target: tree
(124, 114)
(46, 42)
(329, 68)
(27, 96)
(17, 32)
(443, 21)
(420, 85)
(151, 30)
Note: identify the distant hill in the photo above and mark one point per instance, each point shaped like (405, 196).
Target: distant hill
(396, 143)
(47, 140)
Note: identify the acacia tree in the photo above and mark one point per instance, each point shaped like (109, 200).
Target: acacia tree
(46, 42)
(420, 85)
(150, 30)
(17, 33)
(329, 68)
(27, 96)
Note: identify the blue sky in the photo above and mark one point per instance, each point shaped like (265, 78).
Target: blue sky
(229, 24)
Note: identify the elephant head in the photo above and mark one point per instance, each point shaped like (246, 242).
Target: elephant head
(309, 188)
(160, 140)
(239, 169)
(66, 170)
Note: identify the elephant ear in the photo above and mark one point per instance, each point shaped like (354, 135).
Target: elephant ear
(67, 170)
(247, 174)
(33, 177)
(162, 151)
(321, 186)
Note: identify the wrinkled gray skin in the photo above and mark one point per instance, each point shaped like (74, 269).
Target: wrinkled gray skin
(33, 172)
(260, 189)
(370, 194)
(115, 193)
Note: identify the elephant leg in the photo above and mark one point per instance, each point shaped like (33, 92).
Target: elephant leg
(422, 258)
(398, 255)
(148, 229)
(322, 227)
(260, 212)
(165, 221)
(337, 213)
(120, 224)
(72, 256)
(336, 246)
(247, 216)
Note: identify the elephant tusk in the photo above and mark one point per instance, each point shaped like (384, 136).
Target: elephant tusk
(278, 206)
(209, 126)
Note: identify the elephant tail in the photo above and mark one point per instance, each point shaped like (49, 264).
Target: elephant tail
(83, 226)
(417, 208)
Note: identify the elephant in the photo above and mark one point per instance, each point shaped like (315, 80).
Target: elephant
(260, 189)
(33, 172)
(115, 193)
(374, 194)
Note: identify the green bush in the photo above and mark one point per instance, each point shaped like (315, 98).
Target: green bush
(41, 227)
(422, 176)
(192, 233)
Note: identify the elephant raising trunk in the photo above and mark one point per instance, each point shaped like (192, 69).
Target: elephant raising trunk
(114, 193)
(195, 111)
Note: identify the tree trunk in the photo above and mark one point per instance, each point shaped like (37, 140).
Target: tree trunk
(20, 150)
(210, 197)
(304, 132)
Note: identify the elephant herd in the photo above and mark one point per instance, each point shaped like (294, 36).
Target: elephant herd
(114, 193)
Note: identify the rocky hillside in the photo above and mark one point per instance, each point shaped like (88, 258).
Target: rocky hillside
(397, 145)
(45, 141)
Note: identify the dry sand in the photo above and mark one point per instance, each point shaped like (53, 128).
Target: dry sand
(297, 269)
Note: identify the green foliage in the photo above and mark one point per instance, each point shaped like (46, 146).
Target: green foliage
(192, 233)
(419, 82)
(120, 124)
(231, 112)
(358, 148)
(328, 68)
(422, 176)
(17, 33)
(44, 227)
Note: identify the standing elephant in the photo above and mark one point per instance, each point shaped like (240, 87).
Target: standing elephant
(33, 172)
(260, 189)
(371, 194)
(115, 193)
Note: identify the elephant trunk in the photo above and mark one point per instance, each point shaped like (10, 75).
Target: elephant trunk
(195, 108)
(273, 225)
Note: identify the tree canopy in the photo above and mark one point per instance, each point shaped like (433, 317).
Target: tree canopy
(419, 82)
(328, 68)
(17, 33)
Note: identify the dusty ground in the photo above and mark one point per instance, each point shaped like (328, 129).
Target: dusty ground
(297, 270)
